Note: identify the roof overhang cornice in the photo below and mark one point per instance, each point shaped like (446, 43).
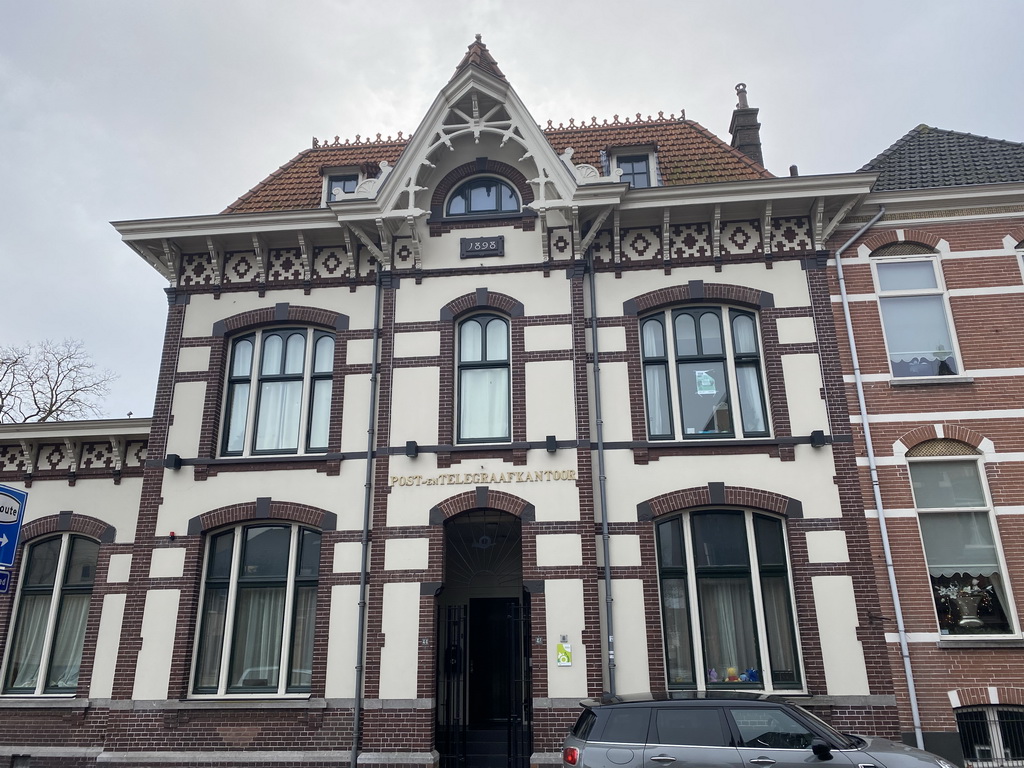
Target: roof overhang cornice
(77, 430)
(972, 196)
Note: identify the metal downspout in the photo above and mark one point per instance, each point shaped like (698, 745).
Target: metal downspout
(357, 709)
(875, 488)
(602, 490)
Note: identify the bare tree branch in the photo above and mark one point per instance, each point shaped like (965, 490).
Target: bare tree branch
(50, 381)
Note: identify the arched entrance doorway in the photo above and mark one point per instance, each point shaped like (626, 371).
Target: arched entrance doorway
(483, 689)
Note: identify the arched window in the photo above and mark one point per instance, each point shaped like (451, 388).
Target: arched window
(482, 196)
(484, 412)
(259, 610)
(961, 542)
(991, 737)
(53, 607)
(710, 365)
(279, 392)
(726, 602)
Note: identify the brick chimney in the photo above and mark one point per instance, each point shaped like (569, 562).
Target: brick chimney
(745, 130)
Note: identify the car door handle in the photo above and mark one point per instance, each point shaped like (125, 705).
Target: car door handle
(762, 761)
(663, 759)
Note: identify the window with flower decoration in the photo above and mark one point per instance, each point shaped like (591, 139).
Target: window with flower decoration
(961, 542)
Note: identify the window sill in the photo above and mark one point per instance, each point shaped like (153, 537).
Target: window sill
(42, 701)
(925, 381)
(234, 701)
(947, 644)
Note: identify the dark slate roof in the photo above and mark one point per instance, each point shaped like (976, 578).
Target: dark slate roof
(688, 153)
(931, 157)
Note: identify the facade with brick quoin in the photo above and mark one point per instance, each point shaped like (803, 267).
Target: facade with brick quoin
(455, 429)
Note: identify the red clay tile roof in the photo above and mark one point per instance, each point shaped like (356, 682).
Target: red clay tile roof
(479, 56)
(687, 154)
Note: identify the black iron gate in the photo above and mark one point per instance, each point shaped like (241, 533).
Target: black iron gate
(462, 740)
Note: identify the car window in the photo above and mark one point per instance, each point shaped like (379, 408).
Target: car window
(584, 724)
(627, 725)
(690, 726)
(770, 728)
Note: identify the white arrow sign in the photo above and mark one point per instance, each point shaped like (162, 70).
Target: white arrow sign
(3, 540)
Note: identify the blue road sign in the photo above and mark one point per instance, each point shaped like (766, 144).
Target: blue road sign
(5, 581)
(12, 512)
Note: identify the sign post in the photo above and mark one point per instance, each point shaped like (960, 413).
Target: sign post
(12, 512)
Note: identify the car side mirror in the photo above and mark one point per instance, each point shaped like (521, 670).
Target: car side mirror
(821, 749)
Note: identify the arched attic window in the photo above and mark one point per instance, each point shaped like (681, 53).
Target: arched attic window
(482, 196)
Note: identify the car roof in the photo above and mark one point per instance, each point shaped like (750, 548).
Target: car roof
(680, 698)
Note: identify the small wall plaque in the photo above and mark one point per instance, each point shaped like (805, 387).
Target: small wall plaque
(475, 247)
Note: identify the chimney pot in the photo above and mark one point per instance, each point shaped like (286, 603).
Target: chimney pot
(794, 171)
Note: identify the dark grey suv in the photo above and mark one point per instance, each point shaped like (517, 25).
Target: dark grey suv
(722, 730)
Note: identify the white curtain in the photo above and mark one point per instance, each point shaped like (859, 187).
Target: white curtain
(23, 665)
(211, 641)
(256, 651)
(727, 622)
(66, 659)
(779, 623)
(959, 542)
(677, 631)
(751, 404)
(302, 637)
(278, 423)
(656, 381)
(483, 404)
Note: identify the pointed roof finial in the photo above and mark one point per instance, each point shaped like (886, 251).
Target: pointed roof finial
(741, 92)
(479, 56)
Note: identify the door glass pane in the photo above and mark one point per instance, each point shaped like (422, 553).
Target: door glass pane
(68, 639)
(711, 334)
(256, 650)
(659, 415)
(918, 336)
(266, 552)
(748, 379)
(678, 642)
(720, 540)
(945, 484)
(906, 275)
(691, 727)
(770, 729)
(727, 621)
(277, 427)
(705, 398)
(483, 404)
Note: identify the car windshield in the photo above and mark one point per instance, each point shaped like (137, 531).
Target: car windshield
(842, 740)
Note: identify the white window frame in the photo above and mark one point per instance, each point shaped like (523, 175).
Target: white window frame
(725, 314)
(482, 214)
(653, 171)
(287, 631)
(940, 290)
(325, 193)
(993, 726)
(1008, 608)
(56, 593)
(767, 685)
(253, 403)
(461, 366)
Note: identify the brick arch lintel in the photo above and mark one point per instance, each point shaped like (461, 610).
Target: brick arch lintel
(482, 298)
(1017, 234)
(985, 695)
(263, 508)
(482, 165)
(696, 291)
(719, 494)
(280, 313)
(482, 497)
(927, 239)
(69, 522)
(928, 432)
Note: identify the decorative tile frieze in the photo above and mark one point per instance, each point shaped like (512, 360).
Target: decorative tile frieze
(791, 234)
(331, 262)
(561, 244)
(53, 456)
(240, 267)
(135, 453)
(602, 247)
(741, 238)
(98, 456)
(641, 244)
(12, 459)
(197, 269)
(690, 241)
(284, 264)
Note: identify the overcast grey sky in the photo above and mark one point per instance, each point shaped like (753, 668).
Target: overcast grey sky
(123, 109)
